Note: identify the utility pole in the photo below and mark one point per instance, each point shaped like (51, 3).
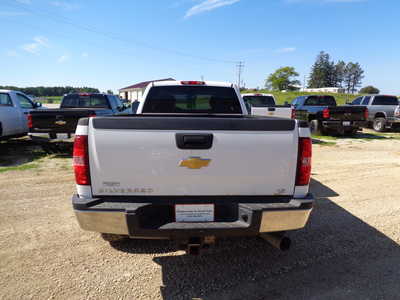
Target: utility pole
(240, 67)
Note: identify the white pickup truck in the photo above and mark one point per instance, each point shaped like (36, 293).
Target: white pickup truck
(265, 105)
(14, 108)
(192, 165)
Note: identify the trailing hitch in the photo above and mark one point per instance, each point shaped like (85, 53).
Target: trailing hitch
(195, 245)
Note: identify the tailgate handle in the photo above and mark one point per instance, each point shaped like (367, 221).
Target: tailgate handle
(194, 140)
(271, 108)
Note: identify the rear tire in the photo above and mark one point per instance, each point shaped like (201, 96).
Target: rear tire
(379, 124)
(316, 127)
(110, 237)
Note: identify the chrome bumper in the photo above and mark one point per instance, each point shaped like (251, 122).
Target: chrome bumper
(252, 219)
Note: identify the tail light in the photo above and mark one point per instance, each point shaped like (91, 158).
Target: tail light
(366, 114)
(325, 113)
(30, 122)
(193, 82)
(92, 115)
(293, 114)
(304, 162)
(80, 160)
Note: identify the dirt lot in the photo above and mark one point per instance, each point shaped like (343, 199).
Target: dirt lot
(350, 249)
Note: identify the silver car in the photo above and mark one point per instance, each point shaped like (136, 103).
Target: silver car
(381, 111)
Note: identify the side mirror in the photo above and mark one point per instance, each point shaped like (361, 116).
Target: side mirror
(37, 104)
(286, 103)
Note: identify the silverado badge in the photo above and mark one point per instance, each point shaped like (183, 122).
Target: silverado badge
(194, 162)
(60, 122)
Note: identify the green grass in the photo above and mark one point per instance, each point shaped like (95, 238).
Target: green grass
(378, 135)
(323, 140)
(281, 97)
(50, 99)
(19, 168)
(324, 137)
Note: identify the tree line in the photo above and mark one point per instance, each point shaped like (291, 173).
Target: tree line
(327, 73)
(324, 73)
(43, 91)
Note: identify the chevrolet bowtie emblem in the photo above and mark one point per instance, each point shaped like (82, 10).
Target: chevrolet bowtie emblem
(60, 122)
(194, 162)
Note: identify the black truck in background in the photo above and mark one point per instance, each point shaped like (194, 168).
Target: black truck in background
(325, 116)
(60, 123)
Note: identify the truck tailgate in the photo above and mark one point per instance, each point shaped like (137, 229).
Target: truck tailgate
(347, 113)
(280, 112)
(58, 120)
(141, 156)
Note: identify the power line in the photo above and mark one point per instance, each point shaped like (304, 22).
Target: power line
(240, 67)
(61, 19)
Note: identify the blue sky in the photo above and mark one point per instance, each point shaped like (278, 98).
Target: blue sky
(112, 44)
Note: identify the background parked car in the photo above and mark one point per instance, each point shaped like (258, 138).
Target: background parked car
(381, 110)
(325, 116)
(61, 123)
(14, 107)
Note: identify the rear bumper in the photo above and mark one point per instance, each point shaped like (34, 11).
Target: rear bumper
(157, 220)
(343, 124)
(47, 136)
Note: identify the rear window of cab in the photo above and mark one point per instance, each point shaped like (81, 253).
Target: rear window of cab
(259, 101)
(85, 100)
(192, 99)
(320, 101)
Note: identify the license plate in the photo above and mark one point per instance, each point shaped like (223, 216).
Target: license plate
(62, 136)
(346, 123)
(194, 212)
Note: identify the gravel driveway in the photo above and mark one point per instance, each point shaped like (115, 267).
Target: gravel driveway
(350, 250)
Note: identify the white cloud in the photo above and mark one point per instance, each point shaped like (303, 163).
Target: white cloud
(65, 5)
(12, 13)
(286, 50)
(62, 58)
(208, 5)
(32, 48)
(85, 54)
(39, 42)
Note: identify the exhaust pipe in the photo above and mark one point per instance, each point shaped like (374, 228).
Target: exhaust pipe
(278, 241)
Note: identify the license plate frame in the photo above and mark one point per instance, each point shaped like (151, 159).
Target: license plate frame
(194, 213)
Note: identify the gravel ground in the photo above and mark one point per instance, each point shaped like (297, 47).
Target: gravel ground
(349, 250)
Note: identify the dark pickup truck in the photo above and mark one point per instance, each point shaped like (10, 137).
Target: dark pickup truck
(324, 116)
(61, 123)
